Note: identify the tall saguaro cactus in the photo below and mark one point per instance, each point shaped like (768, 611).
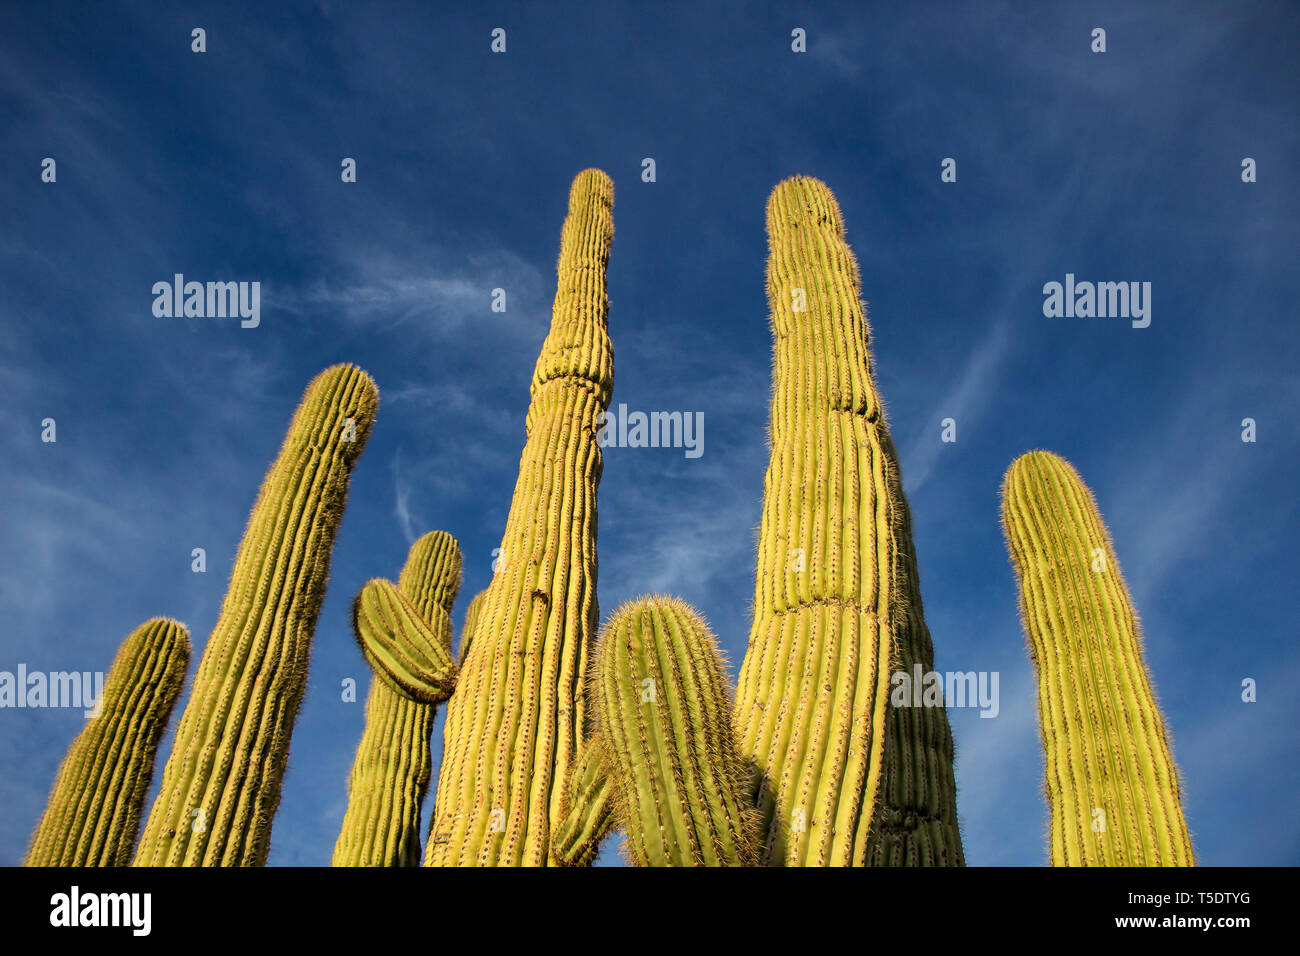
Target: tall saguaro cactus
(514, 725)
(663, 720)
(1111, 778)
(221, 785)
(405, 634)
(93, 813)
(841, 776)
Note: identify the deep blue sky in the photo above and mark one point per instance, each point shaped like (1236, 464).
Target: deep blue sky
(1116, 166)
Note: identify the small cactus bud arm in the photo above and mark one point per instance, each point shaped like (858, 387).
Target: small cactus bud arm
(588, 814)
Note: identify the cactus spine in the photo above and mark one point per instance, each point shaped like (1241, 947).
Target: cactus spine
(514, 726)
(837, 607)
(663, 719)
(1103, 735)
(405, 635)
(94, 808)
(221, 785)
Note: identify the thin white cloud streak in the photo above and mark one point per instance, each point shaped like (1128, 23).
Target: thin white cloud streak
(402, 500)
(965, 403)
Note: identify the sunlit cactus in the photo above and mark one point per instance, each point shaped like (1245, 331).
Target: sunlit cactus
(514, 726)
(663, 718)
(841, 777)
(467, 629)
(405, 636)
(221, 784)
(93, 813)
(1111, 780)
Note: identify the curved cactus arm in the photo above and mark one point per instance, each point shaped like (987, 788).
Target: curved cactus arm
(840, 777)
(404, 651)
(664, 713)
(1111, 780)
(221, 784)
(93, 813)
(588, 814)
(405, 635)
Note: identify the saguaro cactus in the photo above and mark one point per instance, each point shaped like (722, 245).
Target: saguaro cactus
(221, 785)
(1111, 778)
(841, 776)
(94, 808)
(663, 719)
(514, 725)
(405, 635)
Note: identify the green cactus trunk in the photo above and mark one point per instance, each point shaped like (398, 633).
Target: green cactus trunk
(93, 813)
(663, 719)
(514, 726)
(405, 635)
(841, 776)
(221, 785)
(1111, 779)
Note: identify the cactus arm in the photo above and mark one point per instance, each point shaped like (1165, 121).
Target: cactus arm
(514, 725)
(404, 651)
(232, 744)
(1111, 780)
(840, 777)
(414, 672)
(588, 813)
(94, 809)
(664, 713)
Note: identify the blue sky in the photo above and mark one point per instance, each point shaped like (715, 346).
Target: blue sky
(1122, 166)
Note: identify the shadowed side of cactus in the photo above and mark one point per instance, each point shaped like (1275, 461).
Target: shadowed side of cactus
(93, 813)
(221, 784)
(514, 725)
(405, 635)
(1111, 780)
(841, 777)
(663, 718)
